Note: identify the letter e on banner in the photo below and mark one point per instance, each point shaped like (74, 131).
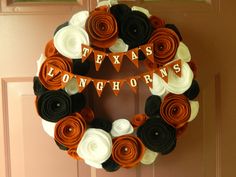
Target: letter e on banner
(98, 59)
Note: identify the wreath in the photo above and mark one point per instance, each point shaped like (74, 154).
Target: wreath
(116, 32)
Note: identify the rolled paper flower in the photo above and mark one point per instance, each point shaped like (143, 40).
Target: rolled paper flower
(69, 39)
(170, 149)
(165, 43)
(152, 105)
(70, 130)
(50, 49)
(101, 124)
(119, 11)
(102, 29)
(61, 26)
(193, 91)
(72, 87)
(110, 165)
(175, 29)
(79, 19)
(73, 153)
(87, 114)
(180, 131)
(127, 151)
(39, 89)
(93, 164)
(40, 61)
(149, 157)
(103, 3)
(78, 102)
(183, 52)
(179, 85)
(80, 68)
(156, 22)
(157, 135)
(135, 29)
(121, 127)
(141, 9)
(49, 127)
(119, 46)
(62, 147)
(194, 110)
(138, 120)
(158, 87)
(54, 105)
(54, 83)
(95, 146)
(175, 110)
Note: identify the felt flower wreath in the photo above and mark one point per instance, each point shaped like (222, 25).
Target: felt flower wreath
(61, 80)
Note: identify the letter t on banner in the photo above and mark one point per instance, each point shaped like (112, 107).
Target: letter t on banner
(86, 51)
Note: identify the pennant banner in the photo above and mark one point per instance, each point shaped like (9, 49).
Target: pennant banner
(117, 58)
(116, 85)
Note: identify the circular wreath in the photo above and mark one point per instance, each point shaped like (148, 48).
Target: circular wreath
(66, 117)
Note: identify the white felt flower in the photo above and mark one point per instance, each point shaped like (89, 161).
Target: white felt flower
(194, 110)
(49, 127)
(149, 157)
(141, 9)
(183, 53)
(119, 46)
(104, 3)
(39, 62)
(95, 146)
(176, 84)
(72, 87)
(121, 127)
(68, 41)
(79, 19)
(158, 87)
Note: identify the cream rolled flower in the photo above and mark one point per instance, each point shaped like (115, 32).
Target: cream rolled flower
(158, 86)
(194, 110)
(149, 157)
(183, 52)
(95, 147)
(72, 87)
(141, 9)
(49, 127)
(121, 127)
(79, 19)
(119, 46)
(39, 62)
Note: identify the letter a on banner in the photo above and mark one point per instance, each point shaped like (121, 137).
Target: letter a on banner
(148, 51)
(176, 66)
(116, 86)
(133, 56)
(83, 82)
(98, 59)
(116, 60)
(99, 86)
(86, 51)
(133, 83)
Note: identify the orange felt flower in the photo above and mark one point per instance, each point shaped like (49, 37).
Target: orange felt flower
(175, 110)
(50, 49)
(138, 120)
(73, 153)
(102, 29)
(69, 130)
(165, 42)
(156, 22)
(127, 150)
(88, 114)
(180, 131)
(54, 82)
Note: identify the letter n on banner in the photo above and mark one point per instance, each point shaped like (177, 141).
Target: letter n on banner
(148, 78)
(83, 82)
(99, 86)
(163, 73)
(116, 86)
(176, 66)
(133, 83)
(86, 51)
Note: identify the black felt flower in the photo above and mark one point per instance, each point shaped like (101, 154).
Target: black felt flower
(103, 124)
(39, 89)
(152, 105)
(54, 105)
(119, 11)
(61, 26)
(110, 165)
(135, 29)
(157, 135)
(193, 91)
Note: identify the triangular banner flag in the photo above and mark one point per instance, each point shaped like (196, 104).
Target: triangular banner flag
(98, 58)
(176, 66)
(99, 86)
(148, 78)
(133, 56)
(163, 73)
(133, 83)
(52, 72)
(148, 51)
(83, 82)
(116, 60)
(65, 78)
(116, 86)
(86, 51)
